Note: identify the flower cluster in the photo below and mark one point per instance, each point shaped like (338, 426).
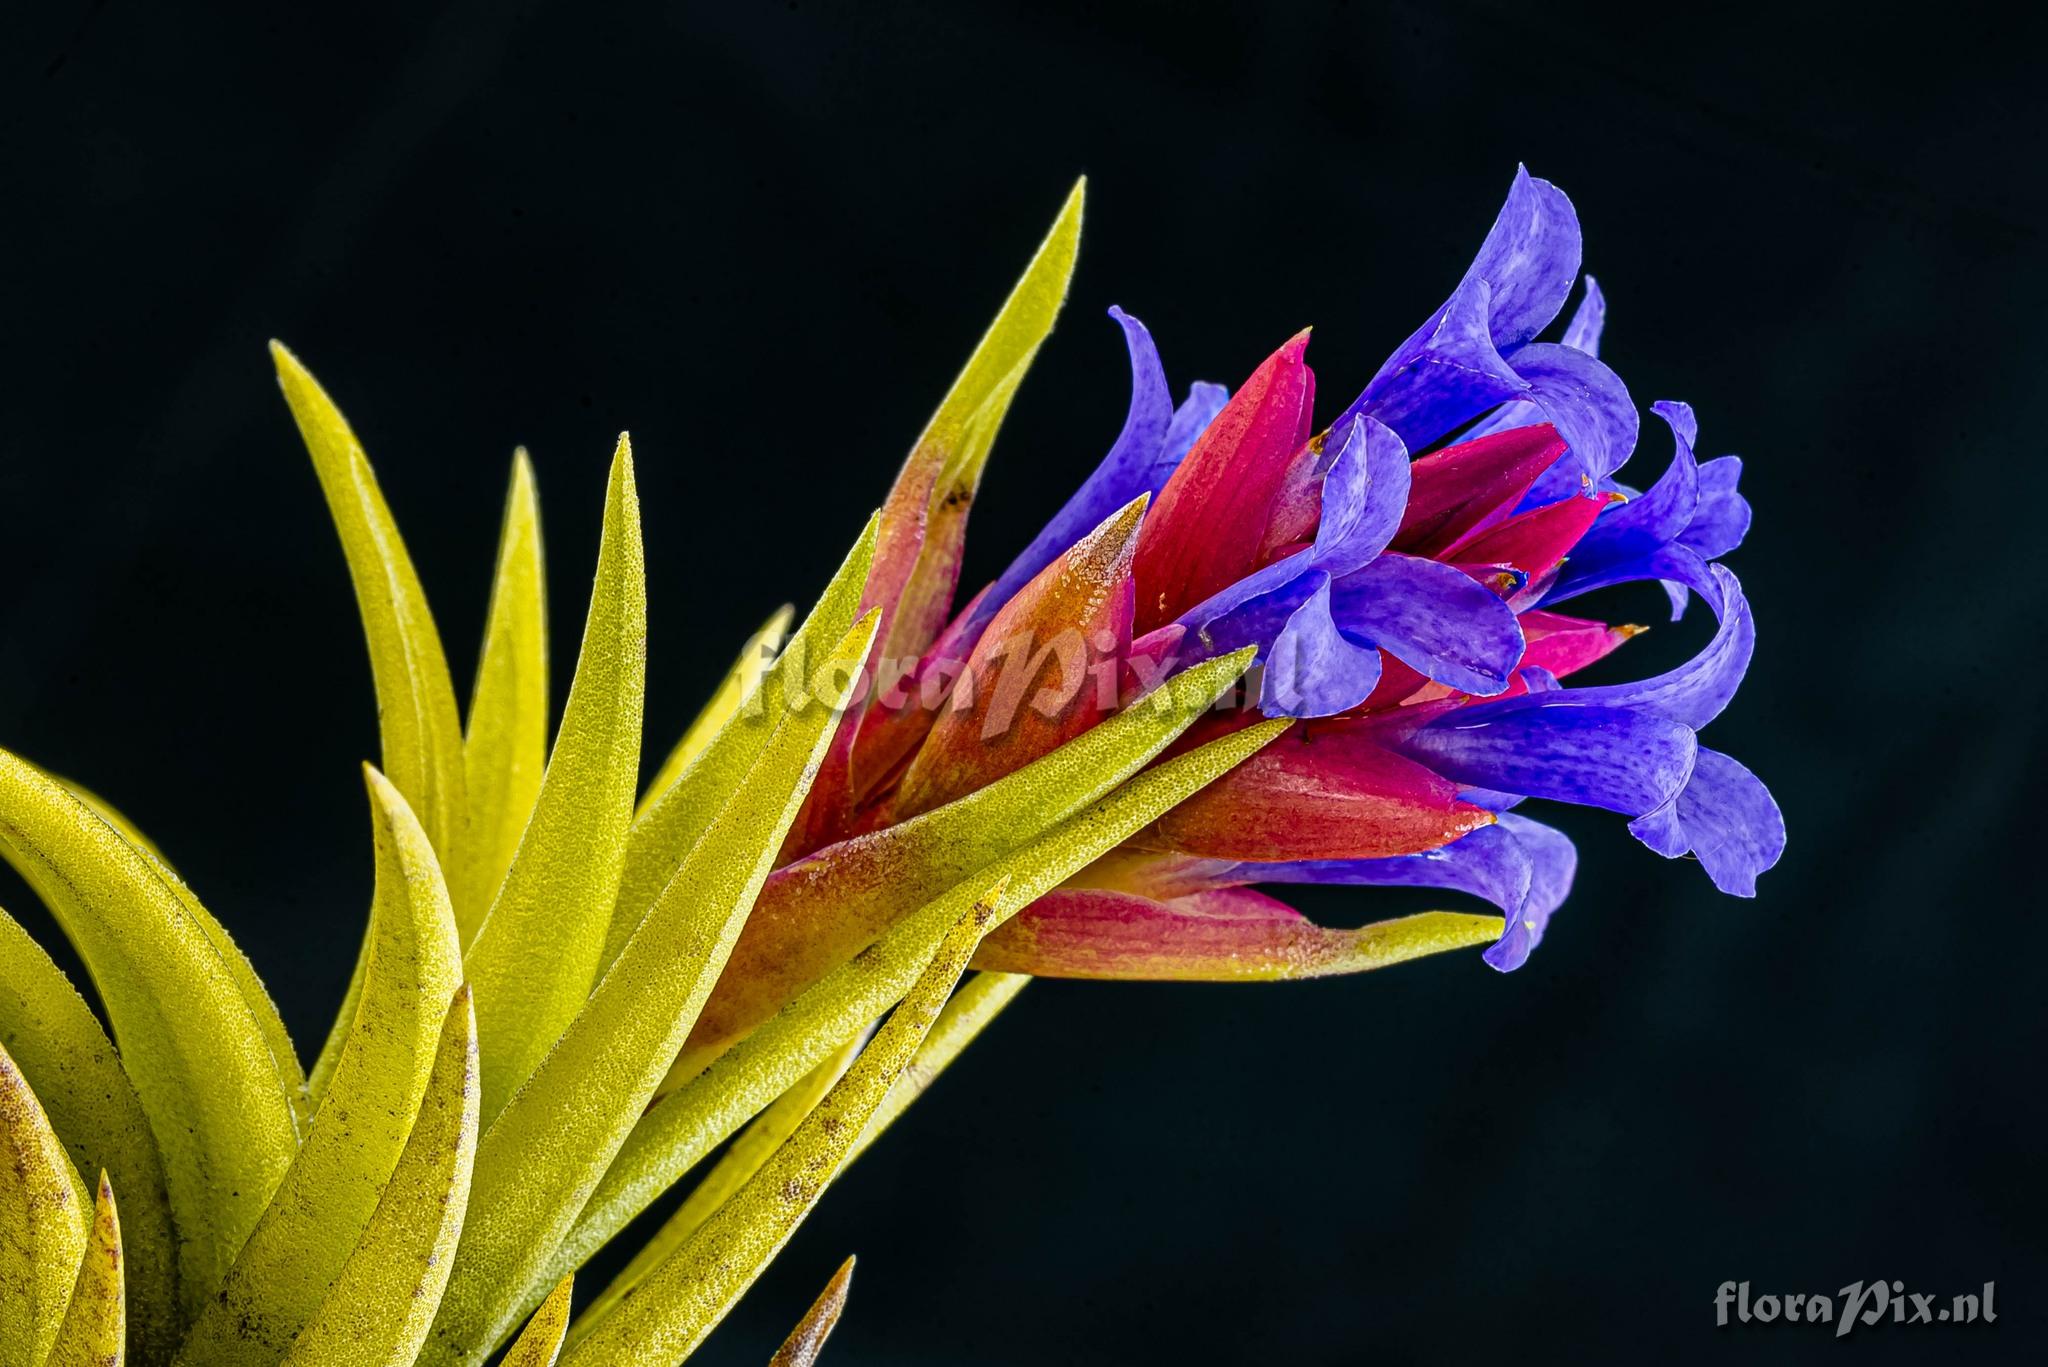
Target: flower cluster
(1399, 571)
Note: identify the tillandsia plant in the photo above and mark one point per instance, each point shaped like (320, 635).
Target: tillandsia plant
(1251, 650)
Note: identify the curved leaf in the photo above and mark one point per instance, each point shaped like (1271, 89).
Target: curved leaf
(380, 1308)
(980, 1000)
(416, 715)
(684, 1299)
(310, 1228)
(681, 1128)
(95, 1328)
(536, 955)
(806, 1342)
(540, 1343)
(739, 684)
(217, 1099)
(680, 814)
(70, 1063)
(506, 750)
(42, 1224)
(539, 1160)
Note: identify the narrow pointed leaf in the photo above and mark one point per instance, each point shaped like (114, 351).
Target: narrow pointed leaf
(540, 1343)
(416, 715)
(816, 914)
(685, 1298)
(924, 519)
(95, 1328)
(739, 684)
(681, 1128)
(311, 1226)
(980, 1000)
(71, 1065)
(536, 955)
(680, 814)
(806, 1342)
(379, 1309)
(218, 1101)
(539, 1160)
(43, 1219)
(1227, 935)
(505, 750)
(741, 1160)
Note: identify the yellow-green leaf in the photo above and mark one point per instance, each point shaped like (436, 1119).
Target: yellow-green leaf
(540, 1343)
(806, 1342)
(685, 1298)
(672, 824)
(816, 914)
(740, 1161)
(42, 1224)
(980, 1000)
(197, 1052)
(381, 1306)
(739, 685)
(539, 1160)
(535, 957)
(95, 1328)
(416, 714)
(310, 1228)
(506, 751)
(683, 1126)
(71, 1065)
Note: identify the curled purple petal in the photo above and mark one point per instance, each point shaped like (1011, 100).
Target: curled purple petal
(1554, 746)
(1434, 618)
(1448, 373)
(1313, 669)
(1722, 518)
(1364, 496)
(1697, 691)
(1587, 403)
(1530, 258)
(1589, 320)
(1726, 817)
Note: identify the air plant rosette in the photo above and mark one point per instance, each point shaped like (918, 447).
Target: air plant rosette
(1253, 650)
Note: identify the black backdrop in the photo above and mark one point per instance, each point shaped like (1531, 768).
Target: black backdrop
(762, 238)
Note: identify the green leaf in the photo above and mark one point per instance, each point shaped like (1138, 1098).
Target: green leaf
(95, 1328)
(539, 1160)
(806, 1342)
(685, 1298)
(678, 817)
(381, 1306)
(507, 747)
(540, 1343)
(739, 684)
(686, 1124)
(817, 914)
(71, 1065)
(980, 1000)
(219, 1100)
(535, 957)
(740, 1161)
(42, 1224)
(310, 1228)
(422, 736)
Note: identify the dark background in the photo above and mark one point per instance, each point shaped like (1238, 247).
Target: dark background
(763, 238)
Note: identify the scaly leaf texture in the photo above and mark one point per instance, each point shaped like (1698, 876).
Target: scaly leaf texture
(416, 715)
(95, 1328)
(217, 1099)
(311, 1226)
(681, 1128)
(739, 684)
(924, 520)
(539, 1160)
(680, 814)
(71, 1065)
(506, 750)
(741, 1160)
(42, 1224)
(540, 1343)
(685, 1298)
(966, 1014)
(806, 1342)
(535, 957)
(261, 1008)
(818, 913)
(377, 1313)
